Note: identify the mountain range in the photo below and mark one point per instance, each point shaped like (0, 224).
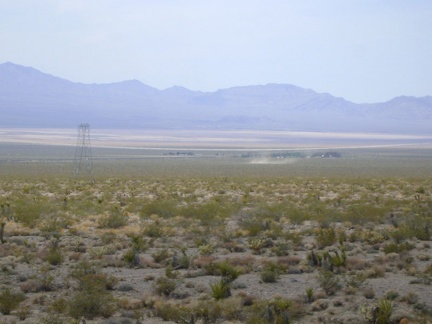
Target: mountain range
(30, 98)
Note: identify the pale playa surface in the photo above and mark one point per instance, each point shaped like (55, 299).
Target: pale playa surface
(209, 139)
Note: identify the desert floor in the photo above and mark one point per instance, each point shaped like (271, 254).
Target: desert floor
(213, 233)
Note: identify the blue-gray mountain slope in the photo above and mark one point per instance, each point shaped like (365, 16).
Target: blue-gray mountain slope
(30, 98)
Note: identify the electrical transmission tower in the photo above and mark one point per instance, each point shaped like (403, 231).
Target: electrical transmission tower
(83, 163)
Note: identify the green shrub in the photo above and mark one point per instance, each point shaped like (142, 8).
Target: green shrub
(91, 303)
(92, 297)
(327, 260)
(391, 295)
(115, 219)
(420, 224)
(372, 237)
(182, 262)
(271, 272)
(160, 255)
(329, 282)
(10, 300)
(220, 290)
(355, 280)
(229, 273)
(394, 247)
(165, 208)
(310, 295)
(325, 237)
(268, 275)
(45, 279)
(172, 312)
(54, 256)
(153, 230)
(206, 249)
(138, 242)
(277, 310)
(211, 213)
(131, 257)
(29, 211)
(281, 249)
(385, 309)
(257, 244)
(164, 286)
(364, 213)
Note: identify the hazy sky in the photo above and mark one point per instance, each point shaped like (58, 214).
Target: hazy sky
(362, 50)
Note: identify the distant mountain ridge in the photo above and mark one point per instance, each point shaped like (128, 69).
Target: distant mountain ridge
(30, 98)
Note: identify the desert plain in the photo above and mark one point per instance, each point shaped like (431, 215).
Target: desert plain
(215, 227)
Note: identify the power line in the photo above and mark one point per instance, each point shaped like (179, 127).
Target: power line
(83, 162)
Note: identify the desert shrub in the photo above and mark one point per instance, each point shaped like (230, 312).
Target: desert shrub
(31, 285)
(206, 249)
(420, 224)
(361, 214)
(58, 305)
(369, 293)
(391, 295)
(375, 272)
(329, 282)
(154, 230)
(165, 208)
(395, 247)
(355, 280)
(280, 308)
(164, 286)
(10, 300)
(208, 310)
(160, 255)
(228, 272)
(107, 237)
(125, 287)
(327, 260)
(171, 273)
(296, 238)
(54, 223)
(271, 272)
(55, 256)
(242, 263)
(253, 225)
(402, 233)
(114, 219)
(92, 297)
(258, 244)
(287, 261)
(325, 237)
(269, 275)
(232, 309)
(281, 249)
(295, 215)
(132, 258)
(172, 312)
(182, 262)
(45, 279)
(385, 309)
(29, 211)
(372, 237)
(310, 295)
(91, 303)
(220, 290)
(138, 242)
(23, 312)
(209, 213)
(276, 310)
